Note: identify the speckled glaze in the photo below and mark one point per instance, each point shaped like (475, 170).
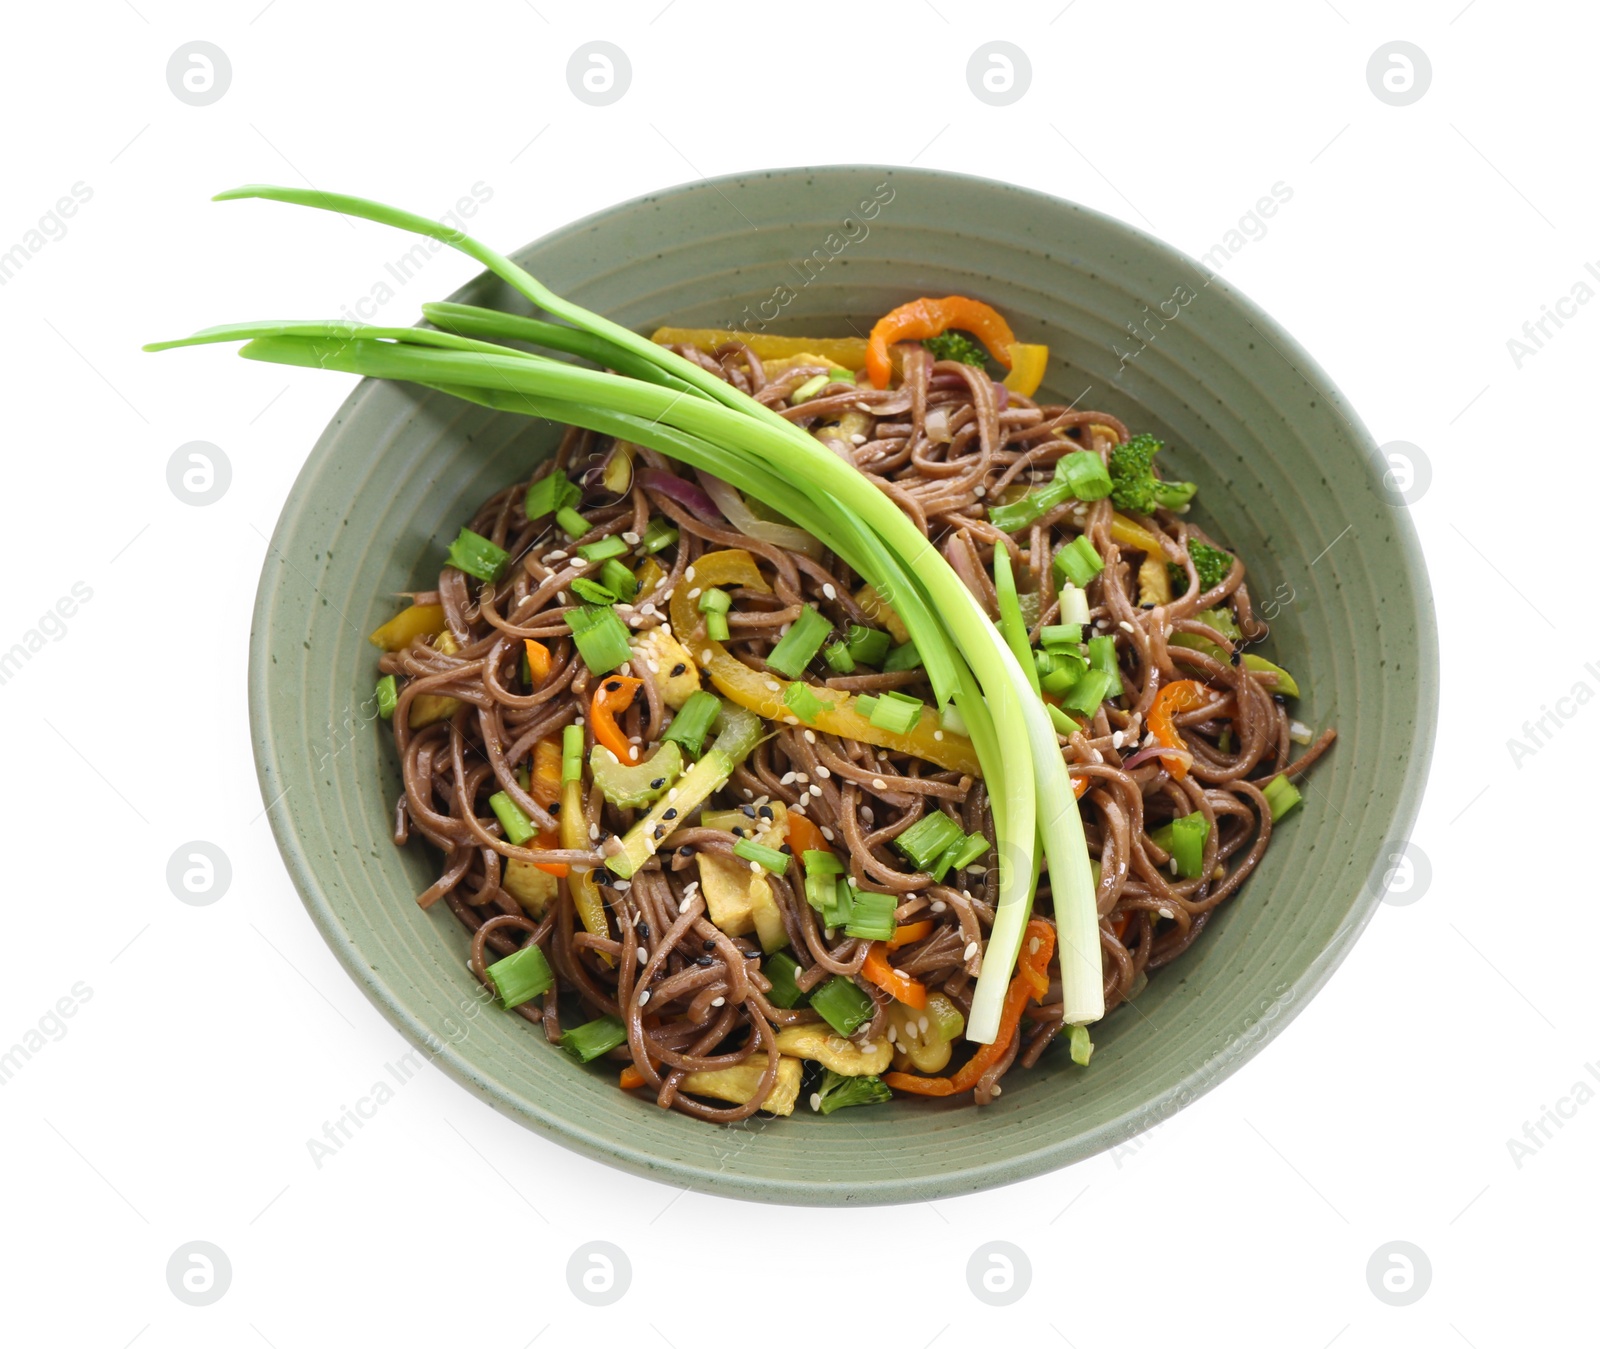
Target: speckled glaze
(1285, 470)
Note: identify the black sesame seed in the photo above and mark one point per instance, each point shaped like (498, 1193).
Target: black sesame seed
(1280, 700)
(685, 851)
(749, 811)
(711, 943)
(602, 876)
(661, 830)
(555, 807)
(671, 813)
(656, 784)
(704, 960)
(1235, 658)
(642, 929)
(738, 832)
(613, 685)
(766, 812)
(678, 669)
(786, 850)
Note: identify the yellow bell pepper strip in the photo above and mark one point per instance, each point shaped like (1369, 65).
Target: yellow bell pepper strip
(585, 893)
(873, 605)
(1182, 695)
(919, 319)
(850, 353)
(899, 985)
(420, 620)
(763, 693)
(545, 784)
(907, 933)
(427, 708)
(1131, 534)
(613, 694)
(538, 659)
(649, 576)
(1030, 981)
(1028, 362)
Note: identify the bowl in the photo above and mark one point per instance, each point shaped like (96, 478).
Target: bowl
(1287, 475)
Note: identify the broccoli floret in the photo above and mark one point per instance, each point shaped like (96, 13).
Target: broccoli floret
(954, 346)
(1134, 485)
(838, 1091)
(1212, 565)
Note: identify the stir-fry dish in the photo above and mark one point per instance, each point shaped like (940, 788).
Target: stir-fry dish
(828, 718)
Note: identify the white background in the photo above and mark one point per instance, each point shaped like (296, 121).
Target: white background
(217, 1040)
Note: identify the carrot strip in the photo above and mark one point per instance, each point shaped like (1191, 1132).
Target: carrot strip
(1181, 695)
(804, 836)
(876, 969)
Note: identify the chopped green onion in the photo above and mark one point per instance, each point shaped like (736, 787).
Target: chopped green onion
(820, 891)
(839, 375)
(838, 657)
(717, 626)
(594, 1038)
(1074, 605)
(837, 1092)
(1019, 514)
(1064, 724)
(805, 704)
(1065, 670)
(1282, 797)
(813, 385)
(841, 1004)
(610, 546)
(1080, 1045)
(658, 534)
(896, 712)
(1078, 562)
(522, 975)
(593, 591)
(601, 639)
(903, 657)
(780, 970)
(1084, 473)
(518, 828)
(761, 855)
(838, 903)
(571, 522)
(1059, 635)
(867, 646)
(961, 854)
(388, 694)
(572, 753)
(797, 647)
(714, 601)
(693, 721)
(865, 702)
(616, 578)
(549, 494)
(1103, 657)
(477, 556)
(928, 838)
(1088, 693)
(1185, 839)
(820, 863)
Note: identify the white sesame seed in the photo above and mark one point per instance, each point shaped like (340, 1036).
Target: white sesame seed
(980, 491)
(801, 777)
(1172, 865)
(773, 686)
(1033, 946)
(994, 1090)
(648, 609)
(756, 867)
(654, 666)
(1102, 623)
(827, 833)
(972, 950)
(783, 629)
(823, 771)
(811, 739)
(717, 1002)
(705, 656)
(976, 869)
(1098, 756)
(672, 793)
(816, 1100)
(829, 592)
(1165, 913)
(938, 906)
(891, 1035)
(683, 904)
(858, 439)
(938, 735)
(644, 956)
(1125, 625)
(789, 719)
(557, 556)
(689, 575)
(695, 593)
(786, 779)
(816, 791)
(629, 537)
(594, 831)
(879, 785)
(922, 1024)
(748, 793)
(644, 996)
(561, 597)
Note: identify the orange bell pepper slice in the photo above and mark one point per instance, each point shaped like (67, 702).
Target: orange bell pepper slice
(1182, 695)
(907, 933)
(613, 694)
(630, 1078)
(1030, 981)
(926, 317)
(763, 693)
(546, 842)
(538, 659)
(876, 969)
(804, 836)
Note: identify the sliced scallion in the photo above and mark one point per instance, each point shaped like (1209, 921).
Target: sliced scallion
(867, 646)
(842, 1005)
(928, 838)
(477, 556)
(550, 494)
(571, 522)
(780, 970)
(571, 753)
(693, 720)
(594, 1038)
(658, 534)
(600, 637)
(896, 712)
(761, 855)
(1282, 797)
(521, 976)
(798, 647)
(871, 917)
(805, 704)
(1078, 562)
(1084, 473)
(388, 695)
(598, 551)
(518, 828)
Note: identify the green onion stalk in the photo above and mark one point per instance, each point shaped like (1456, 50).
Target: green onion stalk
(660, 400)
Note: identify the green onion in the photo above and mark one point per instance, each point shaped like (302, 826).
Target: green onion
(841, 1004)
(838, 657)
(1074, 605)
(1084, 473)
(820, 891)
(780, 970)
(1066, 668)
(797, 647)
(1019, 514)
(1064, 724)
(838, 902)
(867, 646)
(550, 494)
(872, 917)
(928, 838)
(593, 591)
(903, 657)
(518, 828)
(601, 639)
(1078, 562)
(594, 1038)
(573, 523)
(610, 546)
(865, 702)
(896, 712)
(1061, 635)
(717, 626)
(1013, 627)
(839, 375)
(475, 555)
(805, 704)
(820, 863)
(961, 854)
(1088, 693)
(616, 578)
(1282, 797)
(693, 721)
(1185, 839)
(572, 753)
(1103, 657)
(813, 385)
(761, 855)
(1080, 1045)
(838, 1092)
(388, 694)
(658, 534)
(522, 975)
(714, 601)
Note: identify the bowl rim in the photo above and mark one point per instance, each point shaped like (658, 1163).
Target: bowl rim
(617, 1152)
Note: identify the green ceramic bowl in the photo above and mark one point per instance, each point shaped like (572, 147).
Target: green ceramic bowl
(1286, 475)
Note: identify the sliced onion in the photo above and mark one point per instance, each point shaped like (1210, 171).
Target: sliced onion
(1181, 756)
(937, 425)
(685, 493)
(742, 518)
(1002, 395)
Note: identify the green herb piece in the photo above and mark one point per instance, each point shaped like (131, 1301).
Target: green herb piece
(477, 556)
(842, 1005)
(761, 855)
(658, 534)
(797, 647)
(521, 976)
(594, 1038)
(903, 657)
(867, 646)
(805, 704)
(1078, 562)
(781, 969)
(600, 637)
(1282, 797)
(925, 841)
(693, 720)
(593, 591)
(1084, 474)
(598, 551)
(550, 494)
(896, 712)
(571, 753)
(388, 695)
(952, 345)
